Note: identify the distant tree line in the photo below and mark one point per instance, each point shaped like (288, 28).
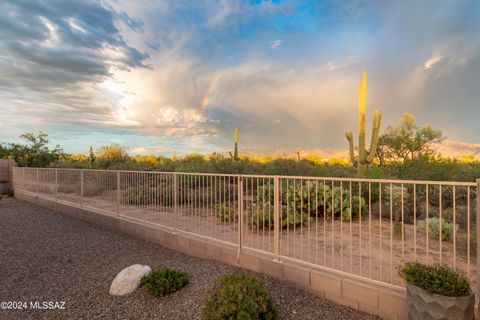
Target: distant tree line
(404, 151)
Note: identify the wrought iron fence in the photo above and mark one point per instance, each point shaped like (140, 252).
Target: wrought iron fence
(365, 227)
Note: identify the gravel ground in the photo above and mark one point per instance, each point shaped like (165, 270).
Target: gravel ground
(46, 256)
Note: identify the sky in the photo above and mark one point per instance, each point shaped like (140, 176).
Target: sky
(164, 77)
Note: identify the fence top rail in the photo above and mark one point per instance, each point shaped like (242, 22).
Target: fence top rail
(359, 180)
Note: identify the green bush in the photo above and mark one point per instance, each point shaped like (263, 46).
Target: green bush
(164, 281)
(436, 279)
(292, 218)
(145, 195)
(434, 228)
(239, 297)
(322, 198)
(265, 192)
(259, 217)
(226, 212)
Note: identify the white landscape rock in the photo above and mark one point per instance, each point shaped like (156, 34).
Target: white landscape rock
(128, 279)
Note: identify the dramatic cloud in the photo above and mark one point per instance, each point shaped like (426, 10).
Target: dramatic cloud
(179, 76)
(53, 55)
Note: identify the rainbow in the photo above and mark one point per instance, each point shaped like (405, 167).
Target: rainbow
(207, 96)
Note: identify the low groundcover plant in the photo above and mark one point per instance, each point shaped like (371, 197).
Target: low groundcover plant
(436, 279)
(162, 282)
(239, 296)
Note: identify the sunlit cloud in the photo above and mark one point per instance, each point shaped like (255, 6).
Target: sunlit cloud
(432, 61)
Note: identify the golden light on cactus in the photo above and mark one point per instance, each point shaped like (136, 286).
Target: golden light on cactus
(365, 157)
(234, 156)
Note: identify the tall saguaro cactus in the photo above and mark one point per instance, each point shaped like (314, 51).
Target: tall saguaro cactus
(365, 157)
(234, 156)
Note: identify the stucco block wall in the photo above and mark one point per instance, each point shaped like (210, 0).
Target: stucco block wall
(6, 166)
(5, 169)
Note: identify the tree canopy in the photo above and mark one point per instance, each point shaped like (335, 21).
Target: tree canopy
(33, 153)
(407, 141)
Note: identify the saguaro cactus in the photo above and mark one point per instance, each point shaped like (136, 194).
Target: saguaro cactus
(365, 157)
(91, 156)
(234, 156)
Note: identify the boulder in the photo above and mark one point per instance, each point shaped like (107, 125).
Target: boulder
(128, 279)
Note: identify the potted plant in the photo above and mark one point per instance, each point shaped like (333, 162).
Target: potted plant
(4, 187)
(437, 292)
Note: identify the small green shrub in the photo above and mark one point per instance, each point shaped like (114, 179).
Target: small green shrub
(436, 279)
(239, 297)
(164, 281)
(259, 217)
(266, 192)
(292, 218)
(434, 228)
(226, 212)
(396, 193)
(91, 190)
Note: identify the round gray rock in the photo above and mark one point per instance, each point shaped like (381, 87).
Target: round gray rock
(128, 279)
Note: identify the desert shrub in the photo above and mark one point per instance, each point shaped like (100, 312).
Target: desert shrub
(262, 216)
(112, 153)
(144, 195)
(259, 217)
(239, 296)
(226, 212)
(288, 167)
(92, 189)
(299, 194)
(164, 281)
(322, 198)
(436, 279)
(447, 228)
(265, 192)
(423, 169)
(342, 206)
(292, 218)
(394, 192)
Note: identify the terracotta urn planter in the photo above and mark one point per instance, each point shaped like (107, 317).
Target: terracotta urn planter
(425, 306)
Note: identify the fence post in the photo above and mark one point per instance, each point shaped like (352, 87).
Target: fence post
(37, 182)
(276, 217)
(56, 183)
(81, 188)
(240, 214)
(478, 237)
(118, 194)
(175, 201)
